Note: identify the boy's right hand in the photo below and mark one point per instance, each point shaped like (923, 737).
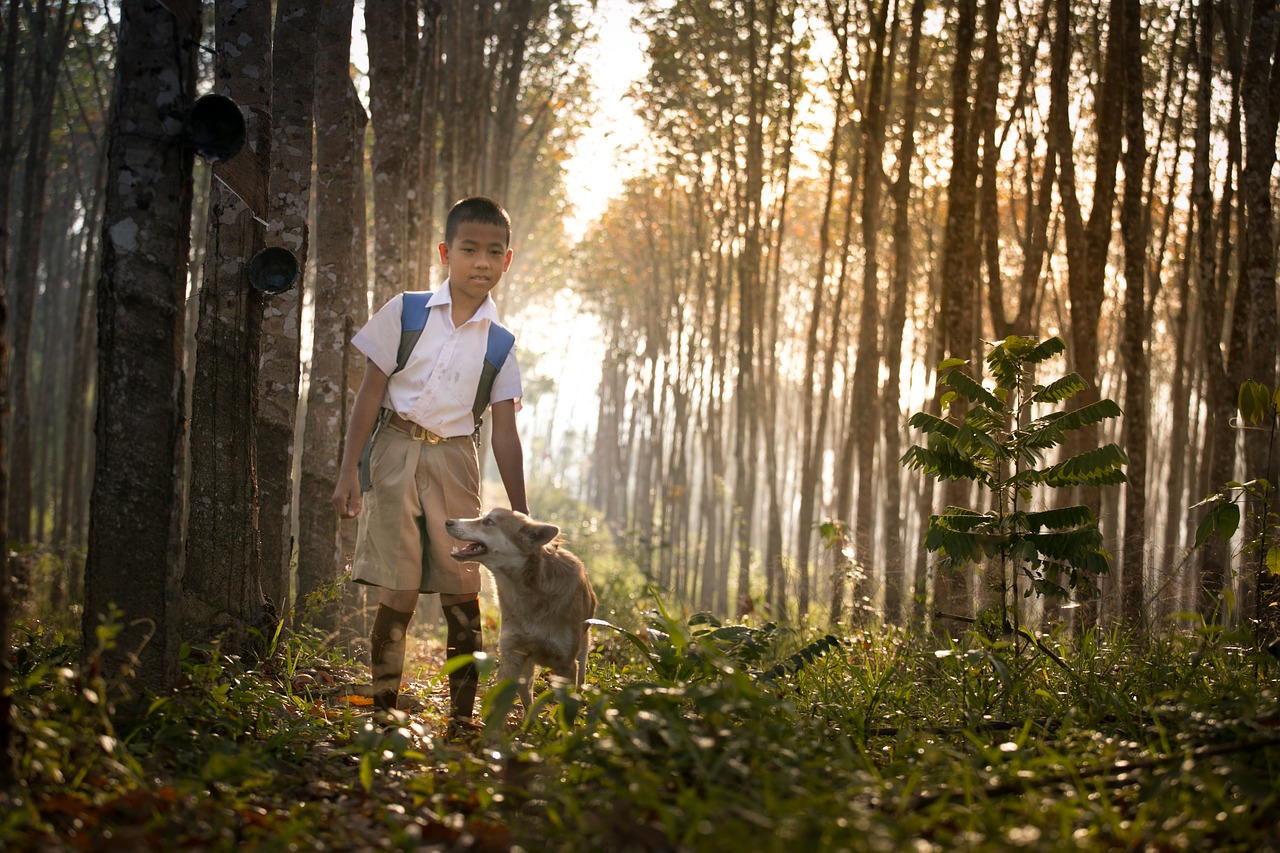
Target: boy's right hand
(346, 497)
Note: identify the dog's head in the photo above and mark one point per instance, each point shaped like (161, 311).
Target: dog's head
(501, 536)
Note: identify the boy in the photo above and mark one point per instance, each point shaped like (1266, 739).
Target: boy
(423, 463)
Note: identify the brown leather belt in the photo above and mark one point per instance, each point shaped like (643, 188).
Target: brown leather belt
(415, 431)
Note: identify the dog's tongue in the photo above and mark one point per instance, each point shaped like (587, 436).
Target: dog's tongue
(471, 549)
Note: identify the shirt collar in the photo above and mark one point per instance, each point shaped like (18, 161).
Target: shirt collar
(488, 309)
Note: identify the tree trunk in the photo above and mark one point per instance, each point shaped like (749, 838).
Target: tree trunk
(339, 166)
(135, 558)
(952, 592)
(48, 40)
(8, 99)
(866, 372)
(1088, 241)
(1133, 227)
(513, 35)
(421, 177)
(1219, 403)
(79, 382)
(289, 194)
(895, 586)
(1260, 96)
(385, 26)
(222, 585)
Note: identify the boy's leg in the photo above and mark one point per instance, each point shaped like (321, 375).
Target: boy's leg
(387, 644)
(462, 619)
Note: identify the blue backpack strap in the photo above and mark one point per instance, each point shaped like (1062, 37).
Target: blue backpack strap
(414, 310)
(413, 319)
(500, 342)
(496, 351)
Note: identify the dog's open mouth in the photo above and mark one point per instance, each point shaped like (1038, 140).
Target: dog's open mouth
(470, 551)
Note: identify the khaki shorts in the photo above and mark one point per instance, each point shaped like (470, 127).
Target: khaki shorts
(401, 543)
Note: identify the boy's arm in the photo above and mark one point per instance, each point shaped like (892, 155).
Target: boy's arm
(364, 414)
(508, 453)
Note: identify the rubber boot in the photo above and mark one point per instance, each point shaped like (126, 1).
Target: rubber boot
(386, 655)
(464, 638)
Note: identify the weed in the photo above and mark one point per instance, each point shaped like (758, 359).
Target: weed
(999, 441)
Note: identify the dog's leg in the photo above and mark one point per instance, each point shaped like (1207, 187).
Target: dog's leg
(517, 666)
(583, 649)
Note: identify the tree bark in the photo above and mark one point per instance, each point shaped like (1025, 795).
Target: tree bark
(1088, 241)
(1133, 227)
(952, 592)
(222, 585)
(135, 557)
(289, 194)
(385, 27)
(1260, 95)
(339, 166)
(1219, 401)
(895, 586)
(48, 31)
(866, 371)
(8, 99)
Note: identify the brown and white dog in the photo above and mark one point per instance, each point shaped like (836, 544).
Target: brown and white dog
(544, 596)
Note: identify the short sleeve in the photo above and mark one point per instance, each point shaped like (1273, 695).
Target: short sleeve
(506, 385)
(379, 339)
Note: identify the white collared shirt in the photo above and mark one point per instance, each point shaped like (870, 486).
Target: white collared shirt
(437, 387)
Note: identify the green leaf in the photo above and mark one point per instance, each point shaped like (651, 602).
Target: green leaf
(1024, 479)
(1061, 518)
(1046, 350)
(1099, 467)
(1273, 559)
(1060, 390)
(1223, 519)
(971, 389)
(941, 460)
(1089, 415)
(1040, 436)
(932, 424)
(959, 518)
(1254, 402)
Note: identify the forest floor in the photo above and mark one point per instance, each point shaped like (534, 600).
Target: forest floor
(689, 735)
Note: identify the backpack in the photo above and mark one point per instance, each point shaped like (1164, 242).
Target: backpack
(413, 319)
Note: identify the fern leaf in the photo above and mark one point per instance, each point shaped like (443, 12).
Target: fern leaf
(1060, 390)
(1099, 467)
(1046, 350)
(932, 424)
(1071, 546)
(1061, 518)
(1039, 437)
(969, 388)
(960, 519)
(1089, 415)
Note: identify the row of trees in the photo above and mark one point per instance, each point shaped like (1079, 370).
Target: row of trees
(772, 297)
(209, 416)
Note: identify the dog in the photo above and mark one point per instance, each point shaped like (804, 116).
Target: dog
(544, 595)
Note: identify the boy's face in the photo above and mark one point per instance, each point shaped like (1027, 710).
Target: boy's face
(477, 258)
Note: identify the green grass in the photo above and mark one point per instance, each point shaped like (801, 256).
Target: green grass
(689, 735)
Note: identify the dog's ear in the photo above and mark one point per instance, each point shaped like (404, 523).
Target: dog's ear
(541, 534)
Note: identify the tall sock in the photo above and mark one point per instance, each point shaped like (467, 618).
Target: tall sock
(464, 638)
(386, 654)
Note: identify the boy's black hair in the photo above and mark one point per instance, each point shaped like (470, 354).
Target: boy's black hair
(480, 209)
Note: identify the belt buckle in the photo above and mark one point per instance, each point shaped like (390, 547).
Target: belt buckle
(431, 438)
